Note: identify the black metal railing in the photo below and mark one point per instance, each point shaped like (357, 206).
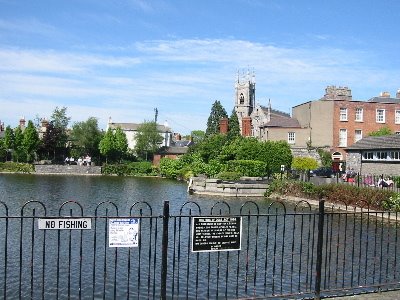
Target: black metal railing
(286, 250)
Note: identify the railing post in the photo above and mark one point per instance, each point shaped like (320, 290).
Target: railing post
(321, 217)
(164, 255)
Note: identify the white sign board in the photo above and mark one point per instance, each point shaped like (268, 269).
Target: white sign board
(65, 223)
(123, 232)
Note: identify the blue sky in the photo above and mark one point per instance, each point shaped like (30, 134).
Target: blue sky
(123, 58)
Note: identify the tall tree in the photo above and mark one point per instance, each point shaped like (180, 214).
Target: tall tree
(86, 137)
(106, 145)
(60, 122)
(9, 140)
(217, 112)
(197, 135)
(233, 128)
(50, 140)
(121, 143)
(18, 151)
(147, 139)
(30, 142)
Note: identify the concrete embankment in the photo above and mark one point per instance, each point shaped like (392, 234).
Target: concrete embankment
(67, 170)
(252, 187)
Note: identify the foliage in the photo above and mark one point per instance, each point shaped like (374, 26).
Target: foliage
(250, 168)
(60, 121)
(121, 143)
(217, 113)
(393, 203)
(142, 168)
(304, 163)
(106, 145)
(197, 136)
(326, 158)
(16, 167)
(30, 142)
(211, 147)
(170, 168)
(85, 137)
(336, 193)
(385, 130)
(18, 151)
(3, 150)
(50, 140)
(228, 175)
(147, 139)
(233, 127)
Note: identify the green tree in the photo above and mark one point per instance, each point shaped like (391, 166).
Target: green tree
(106, 145)
(60, 121)
(304, 163)
(147, 139)
(50, 140)
(9, 140)
(3, 150)
(121, 143)
(18, 150)
(234, 127)
(381, 131)
(30, 142)
(86, 137)
(217, 112)
(197, 135)
(211, 147)
(326, 158)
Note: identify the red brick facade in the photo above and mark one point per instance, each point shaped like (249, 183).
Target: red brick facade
(223, 125)
(246, 126)
(367, 124)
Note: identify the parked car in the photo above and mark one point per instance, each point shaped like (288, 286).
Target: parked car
(323, 172)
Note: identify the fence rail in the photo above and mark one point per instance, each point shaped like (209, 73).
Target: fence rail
(286, 250)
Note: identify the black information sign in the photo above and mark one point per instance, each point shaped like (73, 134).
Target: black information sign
(216, 233)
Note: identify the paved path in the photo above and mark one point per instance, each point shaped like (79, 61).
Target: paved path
(393, 295)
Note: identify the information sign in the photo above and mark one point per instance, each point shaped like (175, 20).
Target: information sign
(216, 233)
(123, 232)
(65, 223)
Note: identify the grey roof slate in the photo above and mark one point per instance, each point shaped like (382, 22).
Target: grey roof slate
(384, 100)
(377, 143)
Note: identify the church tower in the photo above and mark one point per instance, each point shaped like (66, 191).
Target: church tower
(245, 94)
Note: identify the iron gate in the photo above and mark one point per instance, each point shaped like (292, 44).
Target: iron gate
(286, 251)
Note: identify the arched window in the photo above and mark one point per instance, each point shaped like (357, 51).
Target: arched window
(241, 98)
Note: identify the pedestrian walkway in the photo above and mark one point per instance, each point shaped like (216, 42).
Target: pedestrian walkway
(392, 295)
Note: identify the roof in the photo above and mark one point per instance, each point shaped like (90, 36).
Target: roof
(173, 150)
(280, 119)
(377, 143)
(135, 126)
(384, 100)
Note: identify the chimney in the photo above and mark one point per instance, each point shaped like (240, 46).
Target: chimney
(22, 123)
(398, 94)
(178, 137)
(223, 125)
(385, 95)
(246, 126)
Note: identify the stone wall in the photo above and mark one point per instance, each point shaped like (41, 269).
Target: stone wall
(250, 187)
(70, 169)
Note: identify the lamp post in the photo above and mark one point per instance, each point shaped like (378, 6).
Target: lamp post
(282, 170)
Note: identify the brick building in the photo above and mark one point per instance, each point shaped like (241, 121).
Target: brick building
(337, 122)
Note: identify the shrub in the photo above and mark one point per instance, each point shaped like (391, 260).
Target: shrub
(142, 168)
(338, 193)
(250, 168)
(16, 167)
(228, 176)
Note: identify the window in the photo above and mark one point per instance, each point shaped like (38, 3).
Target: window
(381, 155)
(291, 137)
(357, 135)
(241, 98)
(343, 114)
(397, 116)
(380, 116)
(343, 138)
(368, 155)
(359, 114)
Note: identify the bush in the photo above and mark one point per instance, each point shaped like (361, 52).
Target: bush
(16, 167)
(338, 193)
(250, 168)
(143, 168)
(228, 176)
